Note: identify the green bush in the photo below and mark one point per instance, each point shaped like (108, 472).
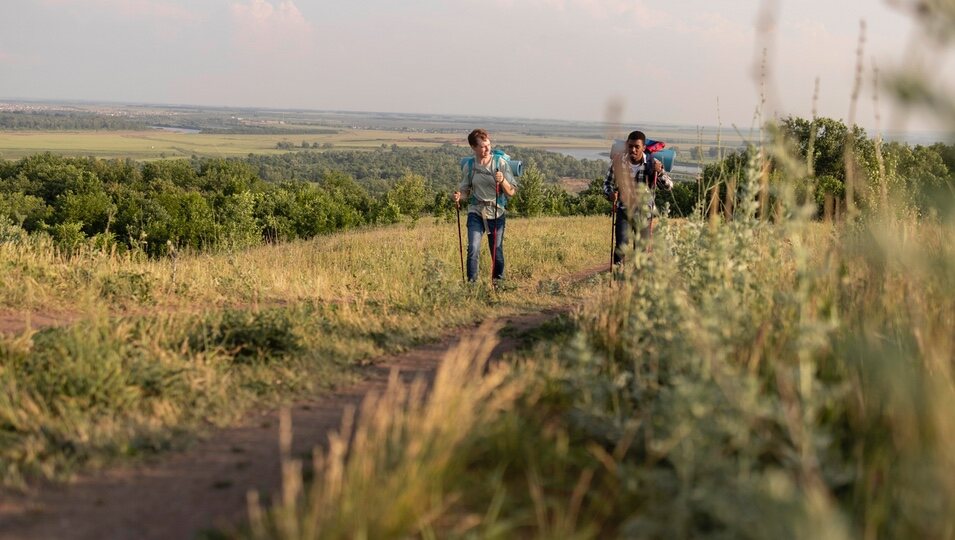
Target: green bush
(29, 211)
(68, 236)
(131, 287)
(248, 337)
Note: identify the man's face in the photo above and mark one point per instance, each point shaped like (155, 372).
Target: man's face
(635, 148)
(482, 149)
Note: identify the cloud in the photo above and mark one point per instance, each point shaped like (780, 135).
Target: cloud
(633, 10)
(130, 9)
(265, 27)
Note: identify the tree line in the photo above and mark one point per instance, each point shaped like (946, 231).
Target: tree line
(377, 169)
(61, 120)
(920, 178)
(57, 120)
(203, 203)
(206, 203)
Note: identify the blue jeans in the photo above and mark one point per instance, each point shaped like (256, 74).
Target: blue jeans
(495, 236)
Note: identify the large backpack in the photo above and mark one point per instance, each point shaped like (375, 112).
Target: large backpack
(655, 149)
(497, 156)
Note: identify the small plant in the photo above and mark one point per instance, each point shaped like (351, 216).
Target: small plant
(248, 337)
(127, 288)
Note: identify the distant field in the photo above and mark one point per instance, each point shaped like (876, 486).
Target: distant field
(159, 144)
(154, 144)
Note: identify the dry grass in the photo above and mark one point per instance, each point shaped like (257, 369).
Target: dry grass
(162, 346)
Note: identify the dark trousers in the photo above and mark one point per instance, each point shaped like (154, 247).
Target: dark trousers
(622, 232)
(495, 241)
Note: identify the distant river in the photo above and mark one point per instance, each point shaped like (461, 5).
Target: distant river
(175, 129)
(582, 153)
(594, 153)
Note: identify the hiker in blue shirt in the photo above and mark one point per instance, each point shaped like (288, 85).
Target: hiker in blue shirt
(641, 176)
(486, 181)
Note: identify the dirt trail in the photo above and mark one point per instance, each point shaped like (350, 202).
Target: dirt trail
(181, 494)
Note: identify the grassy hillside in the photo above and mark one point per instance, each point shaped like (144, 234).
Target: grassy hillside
(750, 379)
(153, 348)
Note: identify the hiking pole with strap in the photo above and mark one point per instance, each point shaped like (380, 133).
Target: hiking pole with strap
(613, 231)
(457, 206)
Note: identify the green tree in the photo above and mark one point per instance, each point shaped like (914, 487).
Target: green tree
(237, 226)
(226, 177)
(592, 200)
(409, 195)
(830, 141)
(343, 187)
(919, 174)
(556, 200)
(27, 211)
(529, 199)
(178, 172)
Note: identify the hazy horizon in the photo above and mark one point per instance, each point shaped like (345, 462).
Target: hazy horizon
(695, 64)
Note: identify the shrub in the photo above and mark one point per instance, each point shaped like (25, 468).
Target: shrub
(248, 337)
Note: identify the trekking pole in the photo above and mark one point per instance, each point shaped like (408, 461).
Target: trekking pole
(613, 231)
(497, 194)
(653, 206)
(457, 206)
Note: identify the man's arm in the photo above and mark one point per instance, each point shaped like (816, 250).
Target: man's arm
(609, 186)
(663, 177)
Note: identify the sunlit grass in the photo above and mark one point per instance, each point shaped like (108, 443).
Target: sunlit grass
(155, 347)
(771, 380)
(393, 263)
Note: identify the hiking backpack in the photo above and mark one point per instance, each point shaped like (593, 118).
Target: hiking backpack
(655, 149)
(497, 156)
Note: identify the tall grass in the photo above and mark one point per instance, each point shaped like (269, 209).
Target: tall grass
(761, 376)
(156, 348)
(787, 380)
(388, 478)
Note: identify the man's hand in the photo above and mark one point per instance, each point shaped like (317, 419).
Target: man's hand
(456, 196)
(498, 177)
(657, 165)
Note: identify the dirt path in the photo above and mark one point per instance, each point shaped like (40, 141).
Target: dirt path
(14, 322)
(181, 494)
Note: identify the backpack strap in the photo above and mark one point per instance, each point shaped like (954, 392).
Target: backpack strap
(649, 171)
(502, 198)
(471, 197)
(496, 160)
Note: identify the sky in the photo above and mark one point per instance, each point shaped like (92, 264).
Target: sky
(689, 62)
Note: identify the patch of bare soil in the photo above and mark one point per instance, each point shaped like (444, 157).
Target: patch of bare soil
(17, 322)
(573, 185)
(181, 494)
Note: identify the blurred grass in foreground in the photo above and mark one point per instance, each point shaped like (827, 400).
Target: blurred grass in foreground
(760, 375)
(786, 380)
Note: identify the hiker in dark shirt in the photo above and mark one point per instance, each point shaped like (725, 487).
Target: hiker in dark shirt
(632, 179)
(485, 181)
